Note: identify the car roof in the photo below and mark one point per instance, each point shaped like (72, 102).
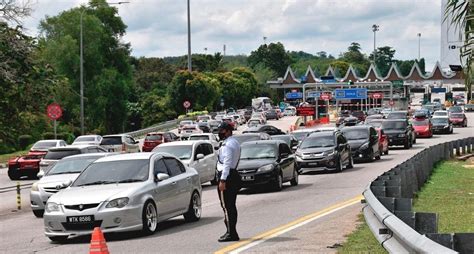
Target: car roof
(49, 140)
(201, 134)
(362, 127)
(437, 117)
(71, 147)
(270, 141)
(89, 135)
(156, 133)
(127, 156)
(183, 143)
(302, 130)
(400, 111)
(88, 155)
(321, 133)
(115, 135)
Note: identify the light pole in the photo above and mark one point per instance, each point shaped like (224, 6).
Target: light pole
(205, 51)
(375, 28)
(265, 40)
(419, 46)
(82, 66)
(189, 39)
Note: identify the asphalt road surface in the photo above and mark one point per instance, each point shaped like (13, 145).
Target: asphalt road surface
(310, 217)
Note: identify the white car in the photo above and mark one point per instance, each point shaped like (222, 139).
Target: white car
(196, 154)
(184, 123)
(125, 192)
(204, 118)
(87, 140)
(206, 136)
(289, 111)
(188, 130)
(120, 143)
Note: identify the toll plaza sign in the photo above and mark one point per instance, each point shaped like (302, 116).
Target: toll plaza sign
(352, 93)
(306, 111)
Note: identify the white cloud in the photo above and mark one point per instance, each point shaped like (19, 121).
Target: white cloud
(158, 27)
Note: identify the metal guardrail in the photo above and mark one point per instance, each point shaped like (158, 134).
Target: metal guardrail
(159, 127)
(389, 204)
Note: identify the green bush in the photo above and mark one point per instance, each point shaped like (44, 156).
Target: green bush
(24, 141)
(66, 136)
(48, 135)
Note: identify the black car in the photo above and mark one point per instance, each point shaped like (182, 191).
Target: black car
(289, 139)
(398, 115)
(350, 121)
(326, 150)
(442, 125)
(469, 107)
(269, 129)
(267, 163)
(364, 142)
(214, 124)
(399, 132)
(241, 138)
(271, 114)
(376, 123)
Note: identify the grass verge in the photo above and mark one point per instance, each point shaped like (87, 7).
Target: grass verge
(361, 240)
(5, 157)
(449, 193)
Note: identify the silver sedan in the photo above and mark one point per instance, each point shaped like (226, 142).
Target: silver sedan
(124, 192)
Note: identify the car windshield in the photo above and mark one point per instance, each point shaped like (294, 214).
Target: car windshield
(396, 115)
(84, 139)
(455, 109)
(214, 123)
(245, 138)
(109, 172)
(199, 137)
(420, 123)
(285, 138)
(186, 122)
(375, 124)
(71, 166)
(43, 145)
(258, 151)
(354, 134)
(318, 141)
(440, 120)
(183, 152)
(457, 115)
(59, 154)
(111, 141)
(394, 125)
(440, 113)
(300, 136)
(153, 137)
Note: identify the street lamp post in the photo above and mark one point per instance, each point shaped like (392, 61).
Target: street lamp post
(419, 46)
(189, 39)
(82, 66)
(375, 28)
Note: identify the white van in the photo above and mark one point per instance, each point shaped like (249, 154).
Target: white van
(290, 111)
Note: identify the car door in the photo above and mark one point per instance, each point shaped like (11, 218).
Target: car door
(182, 182)
(286, 161)
(343, 147)
(374, 141)
(211, 160)
(134, 146)
(198, 165)
(166, 191)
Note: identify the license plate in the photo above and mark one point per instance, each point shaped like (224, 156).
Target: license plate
(80, 219)
(247, 178)
(313, 164)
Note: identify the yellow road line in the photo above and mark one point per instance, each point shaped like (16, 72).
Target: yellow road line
(273, 232)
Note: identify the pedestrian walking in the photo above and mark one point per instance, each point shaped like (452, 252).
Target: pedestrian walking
(229, 180)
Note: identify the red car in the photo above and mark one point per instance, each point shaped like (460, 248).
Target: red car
(423, 127)
(383, 141)
(28, 165)
(458, 119)
(153, 139)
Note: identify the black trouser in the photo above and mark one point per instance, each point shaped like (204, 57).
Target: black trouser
(228, 199)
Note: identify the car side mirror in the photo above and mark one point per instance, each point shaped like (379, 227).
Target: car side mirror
(284, 155)
(40, 174)
(199, 156)
(161, 177)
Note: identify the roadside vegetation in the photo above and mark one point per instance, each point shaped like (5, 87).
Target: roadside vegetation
(449, 192)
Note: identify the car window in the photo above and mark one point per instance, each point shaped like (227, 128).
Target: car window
(284, 148)
(341, 139)
(199, 150)
(63, 143)
(115, 140)
(57, 155)
(208, 149)
(174, 167)
(160, 167)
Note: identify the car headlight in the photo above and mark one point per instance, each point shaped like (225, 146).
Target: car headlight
(34, 187)
(402, 135)
(117, 203)
(364, 146)
(266, 168)
(52, 207)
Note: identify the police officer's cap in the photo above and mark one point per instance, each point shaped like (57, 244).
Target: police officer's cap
(225, 126)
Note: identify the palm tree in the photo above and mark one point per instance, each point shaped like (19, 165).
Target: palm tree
(462, 15)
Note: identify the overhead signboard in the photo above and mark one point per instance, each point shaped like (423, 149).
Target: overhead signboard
(326, 96)
(352, 93)
(397, 83)
(305, 111)
(376, 95)
(313, 94)
(294, 95)
(438, 90)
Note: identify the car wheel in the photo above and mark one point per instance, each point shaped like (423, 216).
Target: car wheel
(386, 152)
(195, 209)
(13, 175)
(214, 181)
(38, 213)
(149, 218)
(58, 239)
(351, 162)
(414, 141)
(295, 179)
(378, 156)
(278, 184)
(407, 144)
(339, 165)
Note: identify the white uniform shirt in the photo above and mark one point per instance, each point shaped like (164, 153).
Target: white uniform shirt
(228, 158)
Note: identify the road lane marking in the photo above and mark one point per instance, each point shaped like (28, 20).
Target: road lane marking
(249, 243)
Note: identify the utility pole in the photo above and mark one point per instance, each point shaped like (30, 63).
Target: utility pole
(189, 39)
(375, 28)
(265, 40)
(223, 50)
(419, 46)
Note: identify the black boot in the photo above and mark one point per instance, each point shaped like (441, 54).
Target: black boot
(229, 238)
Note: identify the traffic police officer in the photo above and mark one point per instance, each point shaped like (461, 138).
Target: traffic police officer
(229, 180)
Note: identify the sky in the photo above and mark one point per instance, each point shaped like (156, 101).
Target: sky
(158, 28)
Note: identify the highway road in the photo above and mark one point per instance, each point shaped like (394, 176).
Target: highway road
(310, 217)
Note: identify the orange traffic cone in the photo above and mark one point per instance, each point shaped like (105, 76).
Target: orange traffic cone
(98, 245)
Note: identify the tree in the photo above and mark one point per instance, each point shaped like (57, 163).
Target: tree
(355, 57)
(272, 56)
(384, 59)
(152, 73)
(340, 66)
(462, 15)
(107, 69)
(14, 11)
